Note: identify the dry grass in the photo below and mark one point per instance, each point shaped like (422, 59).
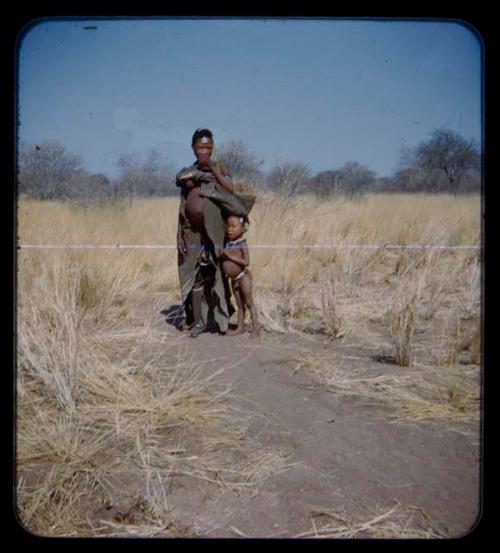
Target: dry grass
(98, 389)
(83, 417)
(402, 329)
(392, 522)
(444, 393)
(102, 398)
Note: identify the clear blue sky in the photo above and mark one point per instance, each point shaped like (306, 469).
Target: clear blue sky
(320, 92)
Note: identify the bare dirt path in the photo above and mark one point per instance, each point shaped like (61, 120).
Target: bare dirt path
(345, 464)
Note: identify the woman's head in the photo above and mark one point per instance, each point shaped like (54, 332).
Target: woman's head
(202, 143)
(201, 133)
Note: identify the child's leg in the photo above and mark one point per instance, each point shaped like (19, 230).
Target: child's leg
(247, 300)
(240, 328)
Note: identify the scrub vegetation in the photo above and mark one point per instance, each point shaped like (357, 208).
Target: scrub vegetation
(107, 401)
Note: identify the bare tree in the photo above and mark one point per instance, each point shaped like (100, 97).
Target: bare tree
(288, 179)
(44, 170)
(352, 179)
(145, 174)
(355, 178)
(242, 164)
(325, 183)
(450, 153)
(88, 190)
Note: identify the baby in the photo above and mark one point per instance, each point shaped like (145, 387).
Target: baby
(235, 261)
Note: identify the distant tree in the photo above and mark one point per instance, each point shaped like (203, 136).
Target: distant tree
(289, 179)
(88, 190)
(448, 152)
(384, 184)
(44, 170)
(325, 183)
(354, 178)
(471, 182)
(144, 174)
(411, 179)
(242, 164)
(351, 179)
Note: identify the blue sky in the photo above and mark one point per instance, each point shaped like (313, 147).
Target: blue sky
(316, 91)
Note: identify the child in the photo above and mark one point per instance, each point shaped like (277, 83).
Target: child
(235, 261)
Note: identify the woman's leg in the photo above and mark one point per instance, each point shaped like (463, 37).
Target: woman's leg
(196, 297)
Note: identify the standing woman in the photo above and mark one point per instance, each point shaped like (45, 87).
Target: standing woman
(207, 198)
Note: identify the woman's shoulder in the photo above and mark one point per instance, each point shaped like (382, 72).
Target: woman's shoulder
(223, 168)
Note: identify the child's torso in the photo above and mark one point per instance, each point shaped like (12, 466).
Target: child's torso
(230, 268)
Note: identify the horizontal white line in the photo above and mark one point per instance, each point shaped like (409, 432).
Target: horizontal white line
(282, 246)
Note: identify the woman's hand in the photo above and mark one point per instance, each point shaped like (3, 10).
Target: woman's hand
(220, 173)
(185, 176)
(207, 162)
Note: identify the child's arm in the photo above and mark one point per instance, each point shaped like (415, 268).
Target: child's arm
(243, 261)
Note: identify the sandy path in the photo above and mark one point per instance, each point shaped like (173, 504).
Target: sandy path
(343, 456)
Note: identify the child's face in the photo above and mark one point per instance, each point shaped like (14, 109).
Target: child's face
(234, 228)
(203, 148)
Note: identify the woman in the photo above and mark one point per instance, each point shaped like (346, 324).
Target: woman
(207, 198)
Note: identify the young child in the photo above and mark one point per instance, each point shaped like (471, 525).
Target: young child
(235, 261)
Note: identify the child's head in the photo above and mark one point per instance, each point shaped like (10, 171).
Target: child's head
(236, 226)
(202, 143)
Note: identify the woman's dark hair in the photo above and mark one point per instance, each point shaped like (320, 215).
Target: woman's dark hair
(200, 133)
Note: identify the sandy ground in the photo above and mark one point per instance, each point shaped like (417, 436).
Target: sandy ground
(331, 463)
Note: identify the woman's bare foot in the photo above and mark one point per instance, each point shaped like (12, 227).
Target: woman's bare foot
(196, 330)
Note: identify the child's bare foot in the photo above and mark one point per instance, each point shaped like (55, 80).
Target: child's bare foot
(235, 332)
(254, 334)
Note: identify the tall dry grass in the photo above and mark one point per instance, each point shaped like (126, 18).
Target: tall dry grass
(98, 390)
(85, 411)
(331, 290)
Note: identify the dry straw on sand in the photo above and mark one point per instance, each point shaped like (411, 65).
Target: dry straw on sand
(98, 390)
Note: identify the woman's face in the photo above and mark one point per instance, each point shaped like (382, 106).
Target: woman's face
(203, 148)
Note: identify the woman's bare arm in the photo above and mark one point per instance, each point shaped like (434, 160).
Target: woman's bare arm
(181, 245)
(221, 173)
